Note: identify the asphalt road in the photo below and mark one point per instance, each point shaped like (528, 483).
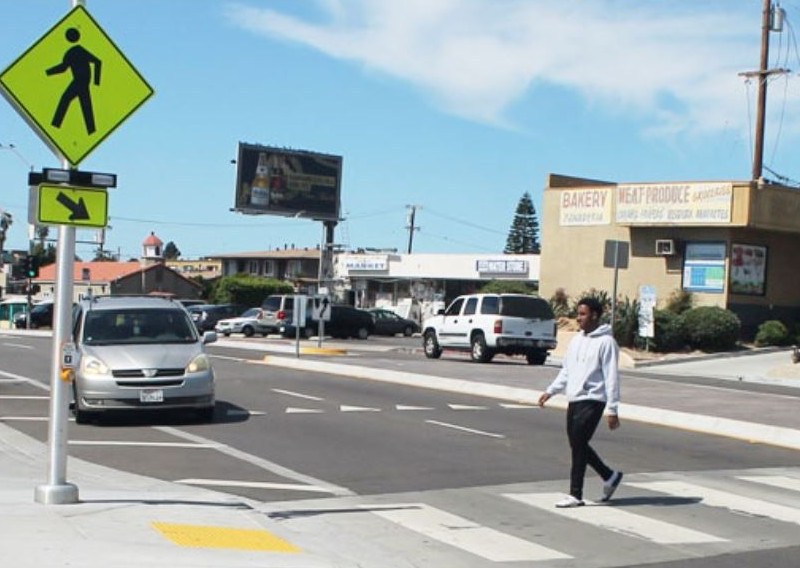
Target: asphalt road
(310, 444)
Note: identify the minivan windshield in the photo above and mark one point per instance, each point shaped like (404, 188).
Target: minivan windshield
(129, 326)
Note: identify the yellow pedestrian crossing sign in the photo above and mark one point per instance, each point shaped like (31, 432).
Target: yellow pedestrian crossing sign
(74, 86)
(67, 205)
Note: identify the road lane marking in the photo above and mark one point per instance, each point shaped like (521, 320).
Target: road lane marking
(723, 499)
(464, 534)
(464, 429)
(254, 485)
(466, 407)
(779, 481)
(512, 406)
(24, 418)
(23, 397)
(245, 412)
(208, 446)
(617, 520)
(346, 408)
(295, 410)
(258, 462)
(18, 345)
(410, 407)
(26, 380)
(297, 394)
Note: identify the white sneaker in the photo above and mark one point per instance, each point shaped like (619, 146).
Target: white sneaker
(569, 501)
(611, 485)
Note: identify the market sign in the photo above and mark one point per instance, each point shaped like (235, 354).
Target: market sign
(74, 86)
(674, 203)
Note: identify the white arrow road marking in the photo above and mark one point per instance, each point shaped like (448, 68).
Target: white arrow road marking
(464, 534)
(245, 412)
(464, 429)
(716, 498)
(616, 520)
(345, 408)
(409, 407)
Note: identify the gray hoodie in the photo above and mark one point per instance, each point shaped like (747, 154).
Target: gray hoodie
(590, 369)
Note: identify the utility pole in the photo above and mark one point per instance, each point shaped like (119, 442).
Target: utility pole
(771, 20)
(411, 227)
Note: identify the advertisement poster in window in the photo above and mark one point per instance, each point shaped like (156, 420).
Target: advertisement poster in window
(704, 268)
(748, 269)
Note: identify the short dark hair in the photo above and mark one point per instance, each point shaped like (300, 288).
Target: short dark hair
(593, 304)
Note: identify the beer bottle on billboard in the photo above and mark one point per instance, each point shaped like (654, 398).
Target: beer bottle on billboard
(259, 192)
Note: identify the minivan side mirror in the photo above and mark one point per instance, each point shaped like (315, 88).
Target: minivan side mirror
(209, 337)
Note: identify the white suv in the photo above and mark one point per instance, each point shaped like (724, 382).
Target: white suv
(487, 324)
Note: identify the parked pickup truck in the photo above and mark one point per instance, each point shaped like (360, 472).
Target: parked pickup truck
(487, 324)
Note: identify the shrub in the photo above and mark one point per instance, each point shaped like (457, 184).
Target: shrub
(559, 303)
(670, 331)
(247, 290)
(773, 332)
(626, 325)
(507, 287)
(679, 301)
(711, 328)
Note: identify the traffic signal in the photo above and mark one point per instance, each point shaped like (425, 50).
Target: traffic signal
(31, 265)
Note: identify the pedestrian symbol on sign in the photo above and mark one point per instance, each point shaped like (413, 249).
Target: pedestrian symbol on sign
(79, 61)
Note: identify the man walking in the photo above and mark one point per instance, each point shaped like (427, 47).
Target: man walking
(589, 377)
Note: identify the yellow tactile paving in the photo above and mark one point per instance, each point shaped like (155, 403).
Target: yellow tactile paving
(198, 536)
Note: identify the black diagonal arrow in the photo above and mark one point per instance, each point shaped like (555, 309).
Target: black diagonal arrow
(79, 211)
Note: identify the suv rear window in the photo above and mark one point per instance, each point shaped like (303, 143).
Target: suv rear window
(272, 303)
(525, 307)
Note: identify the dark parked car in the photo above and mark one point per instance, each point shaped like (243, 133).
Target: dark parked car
(389, 323)
(346, 321)
(206, 316)
(41, 316)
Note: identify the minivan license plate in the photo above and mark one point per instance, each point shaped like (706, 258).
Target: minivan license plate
(151, 395)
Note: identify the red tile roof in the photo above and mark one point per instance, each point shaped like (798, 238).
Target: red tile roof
(98, 271)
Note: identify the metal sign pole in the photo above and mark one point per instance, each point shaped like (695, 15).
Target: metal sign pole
(58, 491)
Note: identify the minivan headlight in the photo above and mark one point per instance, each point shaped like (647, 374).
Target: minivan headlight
(198, 364)
(93, 366)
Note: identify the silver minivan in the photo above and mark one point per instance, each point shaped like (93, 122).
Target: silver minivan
(139, 352)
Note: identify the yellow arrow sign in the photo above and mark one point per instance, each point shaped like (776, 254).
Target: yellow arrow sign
(74, 86)
(67, 205)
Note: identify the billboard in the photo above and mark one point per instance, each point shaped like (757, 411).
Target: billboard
(292, 183)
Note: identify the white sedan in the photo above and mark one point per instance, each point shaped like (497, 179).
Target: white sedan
(249, 323)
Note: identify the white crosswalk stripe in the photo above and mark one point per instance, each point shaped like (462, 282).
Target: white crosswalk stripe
(464, 534)
(617, 520)
(716, 498)
(779, 481)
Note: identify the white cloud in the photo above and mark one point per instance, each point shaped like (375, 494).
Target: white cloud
(674, 66)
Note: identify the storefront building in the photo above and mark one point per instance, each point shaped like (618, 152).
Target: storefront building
(732, 244)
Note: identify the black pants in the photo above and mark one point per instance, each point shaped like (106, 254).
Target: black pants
(582, 420)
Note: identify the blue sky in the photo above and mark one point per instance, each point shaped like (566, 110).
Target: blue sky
(455, 106)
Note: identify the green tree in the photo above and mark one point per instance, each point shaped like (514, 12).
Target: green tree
(171, 251)
(523, 237)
